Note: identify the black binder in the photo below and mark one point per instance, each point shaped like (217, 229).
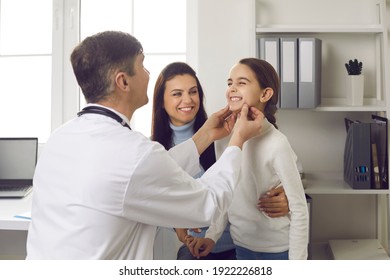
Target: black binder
(366, 154)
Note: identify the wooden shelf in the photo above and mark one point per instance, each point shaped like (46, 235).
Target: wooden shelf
(333, 183)
(313, 29)
(339, 104)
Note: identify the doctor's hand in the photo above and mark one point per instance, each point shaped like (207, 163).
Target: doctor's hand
(218, 125)
(274, 203)
(249, 123)
(200, 247)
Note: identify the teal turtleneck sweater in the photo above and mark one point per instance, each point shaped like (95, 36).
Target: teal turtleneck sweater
(183, 133)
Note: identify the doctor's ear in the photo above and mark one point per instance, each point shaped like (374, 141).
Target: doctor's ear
(121, 80)
(266, 95)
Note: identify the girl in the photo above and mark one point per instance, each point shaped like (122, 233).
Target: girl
(267, 160)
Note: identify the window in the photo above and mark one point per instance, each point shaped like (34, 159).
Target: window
(37, 84)
(160, 26)
(25, 68)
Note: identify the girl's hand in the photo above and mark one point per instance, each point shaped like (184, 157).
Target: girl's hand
(200, 247)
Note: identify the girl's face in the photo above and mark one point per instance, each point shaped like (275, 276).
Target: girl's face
(242, 88)
(181, 99)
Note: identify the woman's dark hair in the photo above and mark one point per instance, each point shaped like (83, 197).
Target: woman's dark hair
(266, 77)
(161, 130)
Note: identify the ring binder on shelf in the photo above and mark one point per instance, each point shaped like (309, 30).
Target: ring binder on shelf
(309, 85)
(365, 154)
(288, 73)
(268, 49)
(298, 63)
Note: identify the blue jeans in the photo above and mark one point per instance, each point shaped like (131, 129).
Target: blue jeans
(245, 254)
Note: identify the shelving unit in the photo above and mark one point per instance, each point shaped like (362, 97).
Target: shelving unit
(348, 29)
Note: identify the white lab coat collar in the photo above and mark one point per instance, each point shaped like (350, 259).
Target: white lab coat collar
(109, 108)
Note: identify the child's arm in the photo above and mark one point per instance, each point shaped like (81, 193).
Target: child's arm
(285, 167)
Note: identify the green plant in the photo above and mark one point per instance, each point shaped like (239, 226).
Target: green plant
(354, 67)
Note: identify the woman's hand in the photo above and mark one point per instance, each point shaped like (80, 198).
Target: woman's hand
(181, 234)
(274, 203)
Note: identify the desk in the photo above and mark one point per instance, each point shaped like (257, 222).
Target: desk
(13, 231)
(9, 207)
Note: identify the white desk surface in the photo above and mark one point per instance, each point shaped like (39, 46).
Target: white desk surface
(9, 207)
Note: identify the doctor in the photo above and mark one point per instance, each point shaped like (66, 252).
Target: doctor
(100, 188)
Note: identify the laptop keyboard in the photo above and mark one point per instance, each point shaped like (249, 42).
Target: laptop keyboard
(14, 188)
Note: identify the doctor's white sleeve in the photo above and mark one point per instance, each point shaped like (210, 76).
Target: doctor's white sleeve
(217, 227)
(161, 193)
(186, 156)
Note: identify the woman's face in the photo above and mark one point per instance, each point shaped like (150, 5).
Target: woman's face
(181, 99)
(242, 88)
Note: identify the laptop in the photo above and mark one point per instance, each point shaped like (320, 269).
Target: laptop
(18, 157)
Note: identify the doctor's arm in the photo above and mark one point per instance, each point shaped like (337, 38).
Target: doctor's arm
(187, 153)
(161, 193)
(217, 126)
(247, 124)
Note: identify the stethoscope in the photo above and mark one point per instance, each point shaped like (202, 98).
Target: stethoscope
(104, 112)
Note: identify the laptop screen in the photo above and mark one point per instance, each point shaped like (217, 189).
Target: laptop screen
(18, 157)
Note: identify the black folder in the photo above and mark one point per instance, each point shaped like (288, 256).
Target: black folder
(366, 154)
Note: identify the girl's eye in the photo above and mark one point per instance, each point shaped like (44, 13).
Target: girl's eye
(194, 92)
(242, 83)
(176, 94)
(229, 84)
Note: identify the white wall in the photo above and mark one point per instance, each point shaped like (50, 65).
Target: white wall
(222, 36)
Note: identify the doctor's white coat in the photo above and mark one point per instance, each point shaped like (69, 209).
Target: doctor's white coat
(100, 190)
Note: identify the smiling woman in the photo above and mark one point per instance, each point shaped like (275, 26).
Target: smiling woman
(181, 99)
